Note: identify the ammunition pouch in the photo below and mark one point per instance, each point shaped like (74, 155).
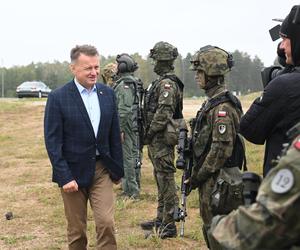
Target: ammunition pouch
(227, 193)
(171, 133)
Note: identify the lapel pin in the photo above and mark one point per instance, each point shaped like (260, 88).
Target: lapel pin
(101, 92)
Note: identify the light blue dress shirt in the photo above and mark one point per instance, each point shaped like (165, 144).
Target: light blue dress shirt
(91, 103)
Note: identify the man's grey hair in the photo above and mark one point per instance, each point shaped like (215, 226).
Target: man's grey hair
(85, 49)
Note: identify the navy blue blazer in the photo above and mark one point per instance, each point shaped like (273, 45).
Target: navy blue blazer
(70, 139)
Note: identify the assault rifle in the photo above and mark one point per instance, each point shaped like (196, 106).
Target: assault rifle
(138, 121)
(184, 162)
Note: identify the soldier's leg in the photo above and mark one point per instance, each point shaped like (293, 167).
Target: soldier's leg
(204, 206)
(129, 183)
(149, 225)
(166, 181)
(168, 188)
(160, 199)
(160, 196)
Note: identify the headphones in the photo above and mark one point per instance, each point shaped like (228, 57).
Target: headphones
(126, 63)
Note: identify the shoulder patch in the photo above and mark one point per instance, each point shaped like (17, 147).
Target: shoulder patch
(297, 144)
(222, 113)
(283, 181)
(222, 128)
(166, 94)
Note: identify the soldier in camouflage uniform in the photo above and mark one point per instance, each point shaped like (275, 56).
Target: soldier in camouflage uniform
(126, 90)
(109, 72)
(272, 222)
(215, 127)
(163, 102)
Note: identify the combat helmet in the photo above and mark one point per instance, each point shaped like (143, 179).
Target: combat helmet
(126, 63)
(109, 69)
(212, 60)
(163, 51)
(109, 73)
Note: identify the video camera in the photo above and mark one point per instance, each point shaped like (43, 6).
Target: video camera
(269, 73)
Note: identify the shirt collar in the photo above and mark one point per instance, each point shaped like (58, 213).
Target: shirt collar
(82, 89)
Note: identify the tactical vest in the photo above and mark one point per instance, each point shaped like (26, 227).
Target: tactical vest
(238, 157)
(151, 99)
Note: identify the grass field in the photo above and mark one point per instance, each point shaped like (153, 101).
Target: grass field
(27, 190)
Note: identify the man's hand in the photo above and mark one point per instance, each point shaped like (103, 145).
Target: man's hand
(70, 187)
(122, 137)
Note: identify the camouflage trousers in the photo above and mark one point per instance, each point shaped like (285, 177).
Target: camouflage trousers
(204, 201)
(206, 213)
(166, 187)
(131, 179)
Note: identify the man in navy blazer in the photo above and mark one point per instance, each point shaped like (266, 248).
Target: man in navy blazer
(82, 138)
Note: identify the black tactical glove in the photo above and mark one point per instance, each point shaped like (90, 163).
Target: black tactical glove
(148, 138)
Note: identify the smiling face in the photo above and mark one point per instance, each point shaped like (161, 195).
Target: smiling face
(86, 70)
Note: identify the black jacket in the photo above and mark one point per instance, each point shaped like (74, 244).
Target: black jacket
(271, 115)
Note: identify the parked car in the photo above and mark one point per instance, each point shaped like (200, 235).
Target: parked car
(33, 89)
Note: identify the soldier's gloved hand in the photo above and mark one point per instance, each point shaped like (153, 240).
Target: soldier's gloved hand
(194, 183)
(146, 141)
(148, 138)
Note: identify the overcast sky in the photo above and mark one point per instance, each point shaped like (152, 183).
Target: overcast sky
(46, 30)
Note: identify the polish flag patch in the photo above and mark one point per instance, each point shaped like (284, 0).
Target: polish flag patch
(222, 114)
(167, 86)
(297, 144)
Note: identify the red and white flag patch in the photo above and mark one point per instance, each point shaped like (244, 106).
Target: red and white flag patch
(167, 86)
(297, 144)
(222, 113)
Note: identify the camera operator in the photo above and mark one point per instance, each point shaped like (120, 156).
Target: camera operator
(271, 115)
(269, 73)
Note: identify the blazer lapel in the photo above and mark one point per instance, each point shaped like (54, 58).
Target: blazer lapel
(79, 102)
(101, 97)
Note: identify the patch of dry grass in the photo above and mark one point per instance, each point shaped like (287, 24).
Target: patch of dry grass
(27, 191)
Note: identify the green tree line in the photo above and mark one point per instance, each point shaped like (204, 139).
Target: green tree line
(243, 78)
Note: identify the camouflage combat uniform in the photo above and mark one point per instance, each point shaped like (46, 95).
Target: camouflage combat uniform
(125, 90)
(161, 101)
(109, 71)
(213, 136)
(273, 221)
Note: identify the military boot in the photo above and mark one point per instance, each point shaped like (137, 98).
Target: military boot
(149, 225)
(167, 231)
